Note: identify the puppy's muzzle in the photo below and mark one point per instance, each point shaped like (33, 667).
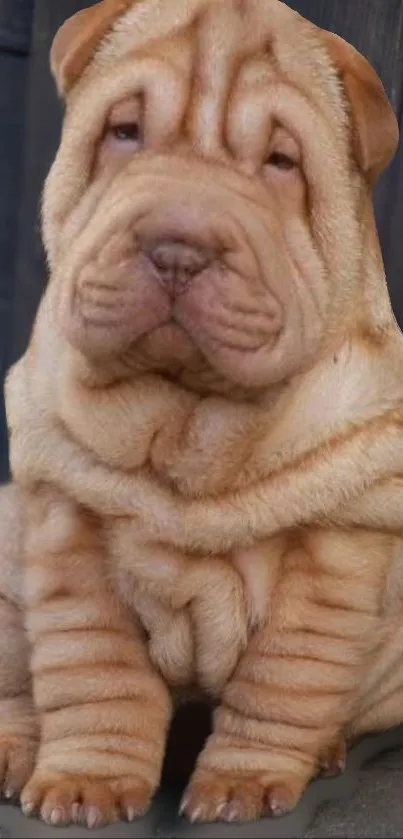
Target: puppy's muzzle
(177, 262)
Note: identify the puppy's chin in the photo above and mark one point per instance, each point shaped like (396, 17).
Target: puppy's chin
(186, 347)
(170, 352)
(168, 349)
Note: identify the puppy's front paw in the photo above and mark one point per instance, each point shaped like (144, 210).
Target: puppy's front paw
(17, 760)
(333, 760)
(214, 796)
(61, 799)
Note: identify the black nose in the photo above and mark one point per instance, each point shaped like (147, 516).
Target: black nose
(177, 262)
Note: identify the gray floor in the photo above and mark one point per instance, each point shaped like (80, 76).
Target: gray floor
(366, 802)
(375, 809)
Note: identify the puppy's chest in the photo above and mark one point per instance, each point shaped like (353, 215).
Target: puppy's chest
(197, 613)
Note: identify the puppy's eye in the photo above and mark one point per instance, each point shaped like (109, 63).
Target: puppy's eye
(281, 161)
(126, 132)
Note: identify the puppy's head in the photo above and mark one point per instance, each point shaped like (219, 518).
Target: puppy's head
(203, 217)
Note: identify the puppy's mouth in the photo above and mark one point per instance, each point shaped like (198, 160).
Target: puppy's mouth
(168, 349)
(192, 304)
(172, 353)
(171, 319)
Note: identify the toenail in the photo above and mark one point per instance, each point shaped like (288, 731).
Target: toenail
(92, 817)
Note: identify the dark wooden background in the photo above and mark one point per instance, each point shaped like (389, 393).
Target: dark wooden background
(29, 130)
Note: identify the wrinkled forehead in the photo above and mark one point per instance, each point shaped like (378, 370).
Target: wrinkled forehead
(223, 72)
(219, 43)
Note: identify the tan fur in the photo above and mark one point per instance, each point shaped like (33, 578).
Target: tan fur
(19, 729)
(208, 478)
(79, 37)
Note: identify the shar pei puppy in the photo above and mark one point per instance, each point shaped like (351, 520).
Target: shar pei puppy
(206, 429)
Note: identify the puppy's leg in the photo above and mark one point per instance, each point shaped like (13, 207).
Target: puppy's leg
(104, 710)
(18, 727)
(296, 687)
(381, 704)
(332, 761)
(381, 695)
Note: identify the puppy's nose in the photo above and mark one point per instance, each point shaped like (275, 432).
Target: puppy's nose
(177, 262)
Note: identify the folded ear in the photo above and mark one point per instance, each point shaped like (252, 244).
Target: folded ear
(76, 41)
(375, 127)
